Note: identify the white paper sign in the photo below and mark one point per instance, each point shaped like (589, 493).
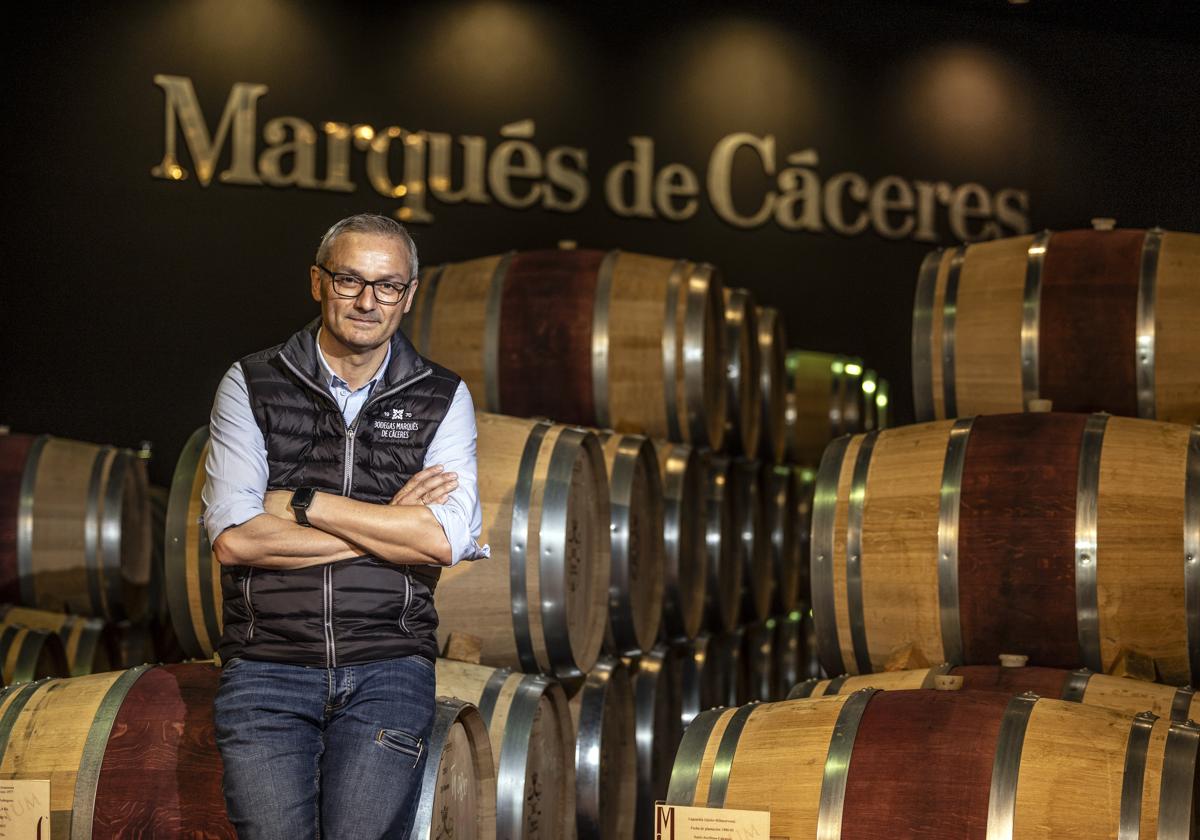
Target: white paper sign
(685, 822)
(24, 809)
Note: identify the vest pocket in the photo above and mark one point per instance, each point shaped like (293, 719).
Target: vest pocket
(249, 603)
(408, 597)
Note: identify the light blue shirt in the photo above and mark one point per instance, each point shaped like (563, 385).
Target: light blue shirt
(237, 458)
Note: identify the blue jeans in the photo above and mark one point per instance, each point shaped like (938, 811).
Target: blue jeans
(332, 753)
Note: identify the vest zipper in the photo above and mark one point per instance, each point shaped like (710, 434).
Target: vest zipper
(347, 484)
(330, 647)
(249, 603)
(352, 429)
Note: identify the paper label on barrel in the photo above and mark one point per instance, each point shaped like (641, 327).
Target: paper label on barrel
(24, 809)
(685, 822)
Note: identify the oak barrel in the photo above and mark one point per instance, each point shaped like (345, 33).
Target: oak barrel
(74, 527)
(458, 790)
(635, 591)
(1081, 686)
(742, 364)
(825, 400)
(723, 593)
(684, 579)
(785, 518)
(540, 603)
(943, 765)
(1065, 537)
(758, 661)
(699, 678)
(89, 644)
(752, 543)
(795, 651)
(804, 482)
(657, 688)
(27, 655)
(605, 753)
(128, 753)
(533, 745)
(727, 659)
(191, 574)
(1091, 320)
(611, 340)
(772, 384)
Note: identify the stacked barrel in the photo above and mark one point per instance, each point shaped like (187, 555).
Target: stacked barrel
(685, 386)
(79, 581)
(1005, 597)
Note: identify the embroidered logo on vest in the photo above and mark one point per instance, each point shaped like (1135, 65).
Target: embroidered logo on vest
(397, 424)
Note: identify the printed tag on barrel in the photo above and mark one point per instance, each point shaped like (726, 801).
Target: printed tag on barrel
(686, 822)
(24, 809)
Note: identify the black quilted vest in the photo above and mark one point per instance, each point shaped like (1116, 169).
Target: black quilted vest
(353, 611)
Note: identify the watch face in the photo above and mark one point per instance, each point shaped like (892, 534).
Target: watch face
(303, 497)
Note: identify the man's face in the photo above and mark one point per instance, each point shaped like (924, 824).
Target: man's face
(362, 323)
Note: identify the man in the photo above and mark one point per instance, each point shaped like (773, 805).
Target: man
(341, 477)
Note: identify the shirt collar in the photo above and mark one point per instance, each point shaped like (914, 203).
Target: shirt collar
(333, 380)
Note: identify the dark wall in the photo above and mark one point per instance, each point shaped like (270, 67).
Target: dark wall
(129, 295)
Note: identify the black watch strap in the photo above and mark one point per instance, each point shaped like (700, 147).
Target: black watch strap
(302, 497)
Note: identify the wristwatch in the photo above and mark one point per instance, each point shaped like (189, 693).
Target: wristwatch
(301, 499)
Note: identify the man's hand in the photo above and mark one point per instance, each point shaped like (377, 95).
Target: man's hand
(431, 486)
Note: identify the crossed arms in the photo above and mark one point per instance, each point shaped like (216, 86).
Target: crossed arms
(434, 519)
(403, 531)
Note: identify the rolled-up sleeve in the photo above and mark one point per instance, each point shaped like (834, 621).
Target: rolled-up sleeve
(237, 458)
(453, 446)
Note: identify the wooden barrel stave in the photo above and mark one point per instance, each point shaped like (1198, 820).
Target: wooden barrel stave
(1018, 472)
(684, 579)
(532, 738)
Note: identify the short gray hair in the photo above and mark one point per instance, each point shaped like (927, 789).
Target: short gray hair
(368, 223)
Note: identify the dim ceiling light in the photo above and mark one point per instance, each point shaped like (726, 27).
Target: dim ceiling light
(881, 400)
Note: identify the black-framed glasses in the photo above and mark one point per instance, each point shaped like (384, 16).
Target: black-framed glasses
(387, 292)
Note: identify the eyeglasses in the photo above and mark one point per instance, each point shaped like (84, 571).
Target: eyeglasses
(387, 292)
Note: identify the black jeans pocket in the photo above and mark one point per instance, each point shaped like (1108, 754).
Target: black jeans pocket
(401, 742)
